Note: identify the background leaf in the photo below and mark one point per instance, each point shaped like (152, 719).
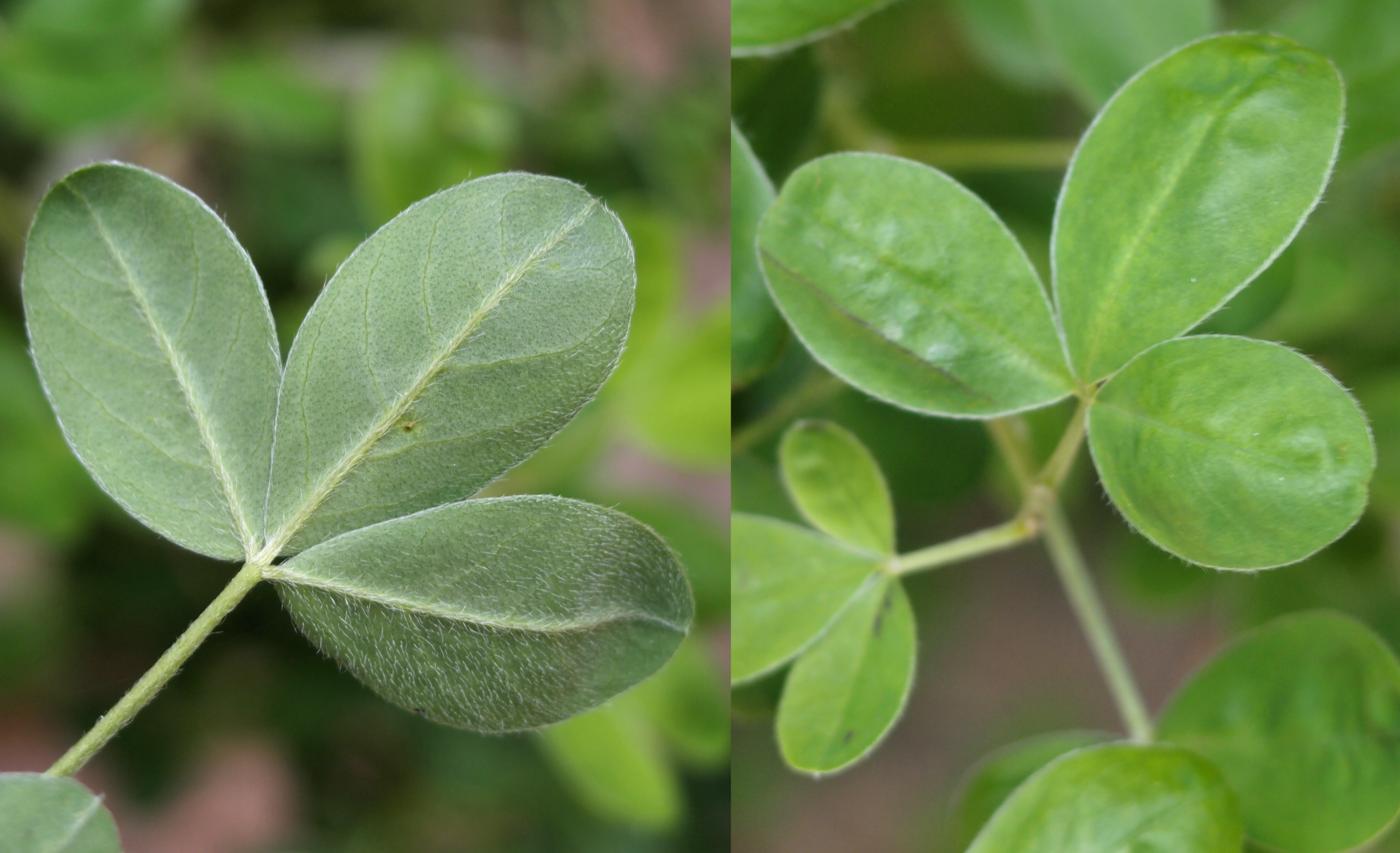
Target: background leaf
(1231, 452)
(1118, 797)
(836, 484)
(846, 691)
(907, 286)
(450, 346)
(762, 26)
(55, 815)
(789, 583)
(493, 615)
(1303, 718)
(1187, 184)
(758, 332)
(155, 343)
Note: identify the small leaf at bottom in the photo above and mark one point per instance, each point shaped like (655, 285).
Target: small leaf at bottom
(53, 814)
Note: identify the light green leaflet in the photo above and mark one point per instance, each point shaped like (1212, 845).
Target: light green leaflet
(450, 346)
(758, 333)
(1098, 44)
(1118, 797)
(512, 613)
(836, 484)
(1231, 452)
(908, 287)
(55, 815)
(789, 584)
(768, 26)
(996, 776)
(1303, 718)
(155, 344)
(850, 687)
(1192, 178)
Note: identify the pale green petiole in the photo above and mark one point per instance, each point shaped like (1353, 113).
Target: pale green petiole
(998, 538)
(164, 669)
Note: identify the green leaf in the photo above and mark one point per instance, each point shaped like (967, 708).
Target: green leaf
(1303, 718)
(1114, 798)
(678, 404)
(1380, 397)
(493, 615)
(1231, 452)
(837, 486)
(905, 285)
(688, 704)
(758, 333)
(155, 344)
(1098, 44)
(849, 688)
(53, 814)
(766, 26)
(789, 584)
(615, 766)
(450, 346)
(996, 776)
(1190, 181)
(1006, 35)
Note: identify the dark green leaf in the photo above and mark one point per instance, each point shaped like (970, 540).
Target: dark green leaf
(758, 332)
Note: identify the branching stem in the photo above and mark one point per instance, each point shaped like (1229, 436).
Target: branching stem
(146, 688)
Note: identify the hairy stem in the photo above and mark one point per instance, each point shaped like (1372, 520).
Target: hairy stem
(997, 538)
(146, 688)
(816, 388)
(1088, 608)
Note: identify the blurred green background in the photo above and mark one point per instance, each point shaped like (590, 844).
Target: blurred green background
(996, 92)
(306, 125)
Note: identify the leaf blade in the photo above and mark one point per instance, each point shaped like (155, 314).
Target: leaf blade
(836, 484)
(769, 26)
(758, 334)
(156, 348)
(547, 606)
(55, 814)
(1242, 132)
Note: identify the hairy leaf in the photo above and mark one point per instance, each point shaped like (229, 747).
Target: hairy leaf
(758, 333)
(1118, 797)
(849, 688)
(450, 346)
(907, 286)
(155, 345)
(1192, 178)
(789, 583)
(765, 26)
(1232, 453)
(55, 815)
(493, 615)
(1303, 718)
(837, 486)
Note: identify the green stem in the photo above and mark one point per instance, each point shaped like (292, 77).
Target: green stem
(997, 538)
(145, 689)
(1084, 599)
(1062, 459)
(815, 389)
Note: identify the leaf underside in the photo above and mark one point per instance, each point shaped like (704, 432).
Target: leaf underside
(55, 815)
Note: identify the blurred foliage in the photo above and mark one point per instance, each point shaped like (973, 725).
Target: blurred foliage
(307, 125)
(996, 92)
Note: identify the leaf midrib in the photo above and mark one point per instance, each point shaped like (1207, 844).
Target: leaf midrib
(337, 474)
(221, 472)
(80, 821)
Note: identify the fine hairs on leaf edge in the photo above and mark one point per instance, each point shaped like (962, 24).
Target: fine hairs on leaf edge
(1273, 256)
(1370, 437)
(44, 385)
(776, 48)
(841, 375)
(268, 553)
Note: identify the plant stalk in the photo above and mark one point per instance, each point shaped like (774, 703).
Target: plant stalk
(155, 678)
(1088, 608)
(998, 538)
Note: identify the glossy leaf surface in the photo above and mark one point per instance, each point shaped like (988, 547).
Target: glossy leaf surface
(155, 344)
(1192, 178)
(450, 346)
(1231, 452)
(836, 484)
(765, 26)
(849, 688)
(1114, 798)
(758, 332)
(789, 583)
(493, 615)
(907, 286)
(55, 815)
(1303, 718)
